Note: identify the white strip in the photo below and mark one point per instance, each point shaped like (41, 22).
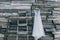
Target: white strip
(38, 30)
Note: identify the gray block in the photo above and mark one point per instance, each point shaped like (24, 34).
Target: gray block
(56, 8)
(45, 22)
(48, 26)
(56, 21)
(45, 12)
(46, 38)
(57, 36)
(56, 12)
(1, 38)
(2, 19)
(58, 27)
(50, 30)
(47, 9)
(43, 17)
(56, 39)
(50, 0)
(52, 17)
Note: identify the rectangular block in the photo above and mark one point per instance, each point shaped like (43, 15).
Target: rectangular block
(22, 32)
(1, 38)
(56, 21)
(56, 32)
(1, 35)
(12, 31)
(50, 30)
(57, 39)
(43, 17)
(57, 36)
(52, 17)
(45, 12)
(56, 8)
(50, 0)
(56, 12)
(54, 4)
(4, 25)
(47, 22)
(47, 38)
(22, 24)
(48, 26)
(20, 17)
(3, 19)
(11, 7)
(58, 27)
(47, 9)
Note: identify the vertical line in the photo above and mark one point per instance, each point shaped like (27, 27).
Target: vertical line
(6, 34)
(17, 31)
(27, 25)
